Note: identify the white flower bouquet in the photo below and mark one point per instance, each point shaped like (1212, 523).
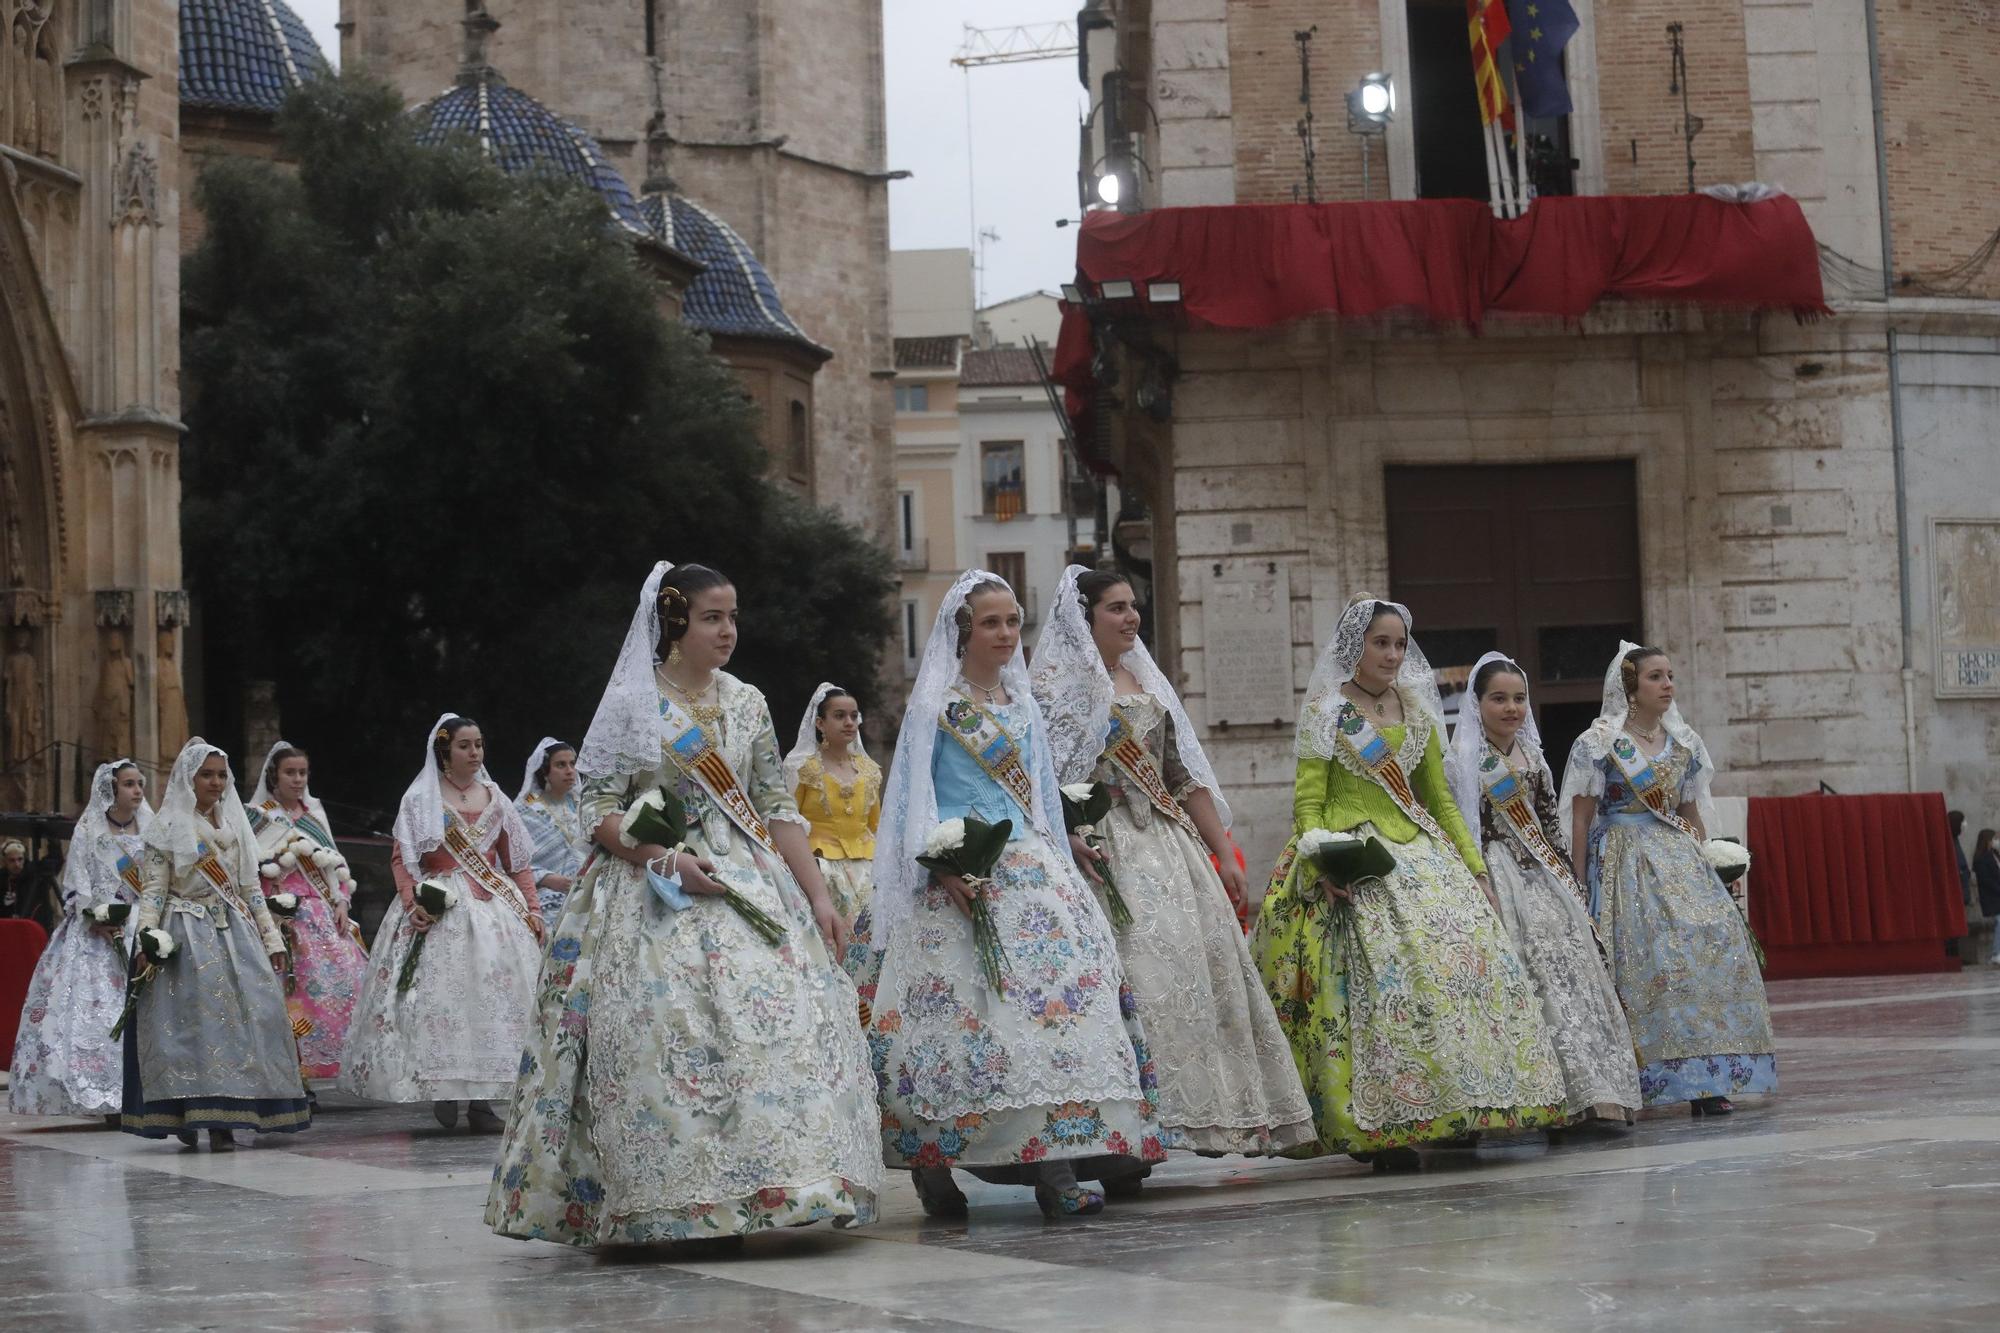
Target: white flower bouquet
(1729, 859)
(112, 914)
(1085, 804)
(436, 899)
(285, 907)
(970, 848)
(155, 948)
(659, 818)
(1344, 859)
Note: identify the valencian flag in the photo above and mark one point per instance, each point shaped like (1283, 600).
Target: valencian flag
(1486, 25)
(1544, 28)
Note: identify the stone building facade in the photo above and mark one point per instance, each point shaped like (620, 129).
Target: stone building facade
(1811, 519)
(91, 606)
(775, 119)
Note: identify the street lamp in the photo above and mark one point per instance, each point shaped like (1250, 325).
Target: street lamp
(1370, 108)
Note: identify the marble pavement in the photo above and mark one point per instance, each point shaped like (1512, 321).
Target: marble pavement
(1865, 1197)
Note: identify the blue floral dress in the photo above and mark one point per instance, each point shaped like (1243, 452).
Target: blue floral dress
(1056, 1067)
(1680, 952)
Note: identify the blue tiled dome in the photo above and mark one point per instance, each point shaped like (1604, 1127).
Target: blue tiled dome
(733, 294)
(244, 55)
(522, 136)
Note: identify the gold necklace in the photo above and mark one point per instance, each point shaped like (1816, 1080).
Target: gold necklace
(846, 789)
(1381, 708)
(1650, 737)
(705, 715)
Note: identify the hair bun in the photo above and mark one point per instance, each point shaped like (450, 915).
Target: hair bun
(1361, 597)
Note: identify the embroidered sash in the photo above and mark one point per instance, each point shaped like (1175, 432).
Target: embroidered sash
(1509, 793)
(997, 754)
(695, 753)
(128, 870)
(1132, 759)
(1648, 783)
(1379, 758)
(458, 841)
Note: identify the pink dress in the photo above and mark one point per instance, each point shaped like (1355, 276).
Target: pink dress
(327, 963)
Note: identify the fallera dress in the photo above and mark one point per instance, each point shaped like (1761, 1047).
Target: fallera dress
(328, 964)
(1410, 1015)
(556, 825)
(844, 817)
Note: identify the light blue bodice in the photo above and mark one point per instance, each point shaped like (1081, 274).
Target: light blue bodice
(962, 786)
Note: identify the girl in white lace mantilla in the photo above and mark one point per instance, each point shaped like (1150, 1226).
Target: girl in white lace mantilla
(1046, 1080)
(211, 1045)
(456, 1034)
(1635, 799)
(839, 790)
(1226, 1078)
(686, 1079)
(553, 811)
(1502, 784)
(65, 1062)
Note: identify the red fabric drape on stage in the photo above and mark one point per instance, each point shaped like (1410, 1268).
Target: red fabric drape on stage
(21, 945)
(1248, 266)
(1854, 885)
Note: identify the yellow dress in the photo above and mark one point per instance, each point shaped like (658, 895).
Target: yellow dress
(1410, 1015)
(844, 819)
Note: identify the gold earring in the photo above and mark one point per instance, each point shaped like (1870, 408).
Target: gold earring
(673, 653)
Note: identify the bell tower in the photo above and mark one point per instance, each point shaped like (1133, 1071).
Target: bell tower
(775, 111)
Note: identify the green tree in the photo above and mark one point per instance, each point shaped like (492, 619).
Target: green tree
(438, 432)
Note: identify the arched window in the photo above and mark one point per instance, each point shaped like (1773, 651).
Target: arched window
(799, 462)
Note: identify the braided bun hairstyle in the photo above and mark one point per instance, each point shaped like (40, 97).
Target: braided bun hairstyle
(677, 593)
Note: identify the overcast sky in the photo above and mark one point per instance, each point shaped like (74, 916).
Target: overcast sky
(1023, 137)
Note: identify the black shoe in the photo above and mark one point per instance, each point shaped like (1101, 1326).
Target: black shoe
(938, 1192)
(1396, 1160)
(221, 1140)
(1710, 1106)
(187, 1137)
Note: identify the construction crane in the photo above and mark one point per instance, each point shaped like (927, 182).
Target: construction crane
(1013, 46)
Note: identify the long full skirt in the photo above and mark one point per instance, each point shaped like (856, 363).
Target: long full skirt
(328, 968)
(211, 1045)
(1682, 961)
(684, 1079)
(1552, 932)
(1409, 1013)
(1226, 1078)
(65, 1062)
(1056, 1067)
(850, 882)
(457, 1033)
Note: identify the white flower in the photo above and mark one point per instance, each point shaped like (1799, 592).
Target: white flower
(1080, 792)
(285, 902)
(161, 944)
(1315, 841)
(1725, 855)
(946, 837)
(289, 860)
(101, 914)
(450, 897)
(269, 870)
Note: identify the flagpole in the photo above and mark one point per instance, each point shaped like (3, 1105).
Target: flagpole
(1492, 171)
(1506, 171)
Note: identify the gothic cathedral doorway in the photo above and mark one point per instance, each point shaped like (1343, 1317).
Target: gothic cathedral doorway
(1539, 561)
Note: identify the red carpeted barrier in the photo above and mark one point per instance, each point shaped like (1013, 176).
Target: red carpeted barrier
(21, 945)
(1854, 885)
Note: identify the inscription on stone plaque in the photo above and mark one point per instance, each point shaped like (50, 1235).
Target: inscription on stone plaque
(1965, 607)
(1247, 627)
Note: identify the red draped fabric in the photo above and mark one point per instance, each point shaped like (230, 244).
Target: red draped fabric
(1854, 885)
(1248, 266)
(21, 944)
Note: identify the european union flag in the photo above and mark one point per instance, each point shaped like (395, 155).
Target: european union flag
(1541, 29)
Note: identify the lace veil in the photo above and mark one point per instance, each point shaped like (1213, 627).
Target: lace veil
(624, 735)
(1461, 762)
(420, 818)
(92, 832)
(176, 831)
(807, 744)
(1319, 718)
(528, 784)
(909, 804)
(1582, 775)
(1074, 692)
(263, 789)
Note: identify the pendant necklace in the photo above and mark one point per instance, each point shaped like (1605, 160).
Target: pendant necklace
(972, 684)
(1377, 695)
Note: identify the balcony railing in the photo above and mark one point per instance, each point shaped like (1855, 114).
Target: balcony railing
(916, 557)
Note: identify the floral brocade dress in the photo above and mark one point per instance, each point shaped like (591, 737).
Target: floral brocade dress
(1551, 927)
(560, 846)
(1056, 1067)
(65, 1062)
(328, 964)
(1680, 951)
(844, 818)
(683, 1078)
(1410, 1014)
(1226, 1078)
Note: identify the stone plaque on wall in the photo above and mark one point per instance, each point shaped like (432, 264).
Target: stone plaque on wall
(1246, 617)
(1965, 606)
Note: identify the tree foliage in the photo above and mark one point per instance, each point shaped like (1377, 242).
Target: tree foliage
(438, 432)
